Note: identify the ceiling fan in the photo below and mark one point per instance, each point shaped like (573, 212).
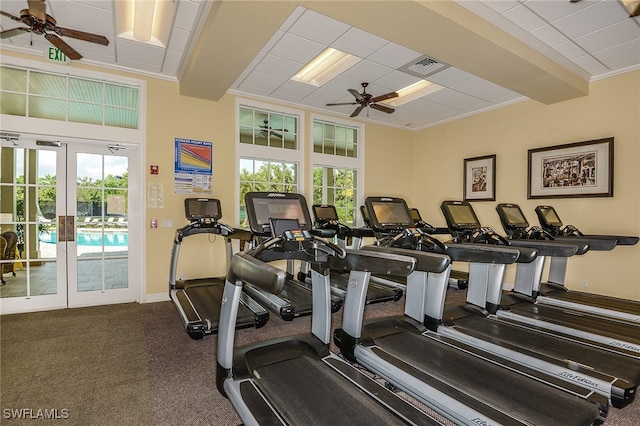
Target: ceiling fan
(365, 99)
(38, 22)
(266, 130)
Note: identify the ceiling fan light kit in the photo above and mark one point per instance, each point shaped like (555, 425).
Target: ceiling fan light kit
(38, 22)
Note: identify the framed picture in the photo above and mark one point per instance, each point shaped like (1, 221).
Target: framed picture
(480, 178)
(581, 169)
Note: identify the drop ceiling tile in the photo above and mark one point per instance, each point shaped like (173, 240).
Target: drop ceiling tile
(502, 6)
(291, 19)
(450, 76)
(296, 49)
(293, 91)
(319, 28)
(186, 15)
(396, 80)
(275, 66)
(367, 71)
(619, 33)
(553, 10)
(524, 17)
(264, 82)
(341, 83)
(570, 50)
(178, 40)
(359, 43)
(171, 60)
(473, 85)
(590, 19)
(272, 41)
(590, 64)
(549, 35)
(139, 65)
(97, 17)
(619, 53)
(393, 55)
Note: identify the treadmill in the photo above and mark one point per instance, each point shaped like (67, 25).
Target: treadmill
(448, 376)
(612, 376)
(198, 299)
(326, 218)
(554, 292)
(296, 380)
(295, 299)
(596, 331)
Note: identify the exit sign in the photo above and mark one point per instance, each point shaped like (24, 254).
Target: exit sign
(56, 55)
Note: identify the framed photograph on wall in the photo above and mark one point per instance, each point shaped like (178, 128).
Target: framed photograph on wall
(480, 178)
(580, 169)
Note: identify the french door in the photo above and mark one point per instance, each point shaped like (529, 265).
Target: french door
(68, 204)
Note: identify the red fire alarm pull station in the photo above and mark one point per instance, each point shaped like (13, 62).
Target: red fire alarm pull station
(154, 170)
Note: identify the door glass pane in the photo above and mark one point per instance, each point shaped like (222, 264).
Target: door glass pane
(102, 227)
(27, 211)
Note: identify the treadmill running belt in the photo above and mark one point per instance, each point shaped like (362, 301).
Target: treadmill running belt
(334, 399)
(206, 297)
(505, 390)
(630, 306)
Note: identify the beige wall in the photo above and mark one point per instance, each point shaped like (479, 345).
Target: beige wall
(611, 109)
(424, 167)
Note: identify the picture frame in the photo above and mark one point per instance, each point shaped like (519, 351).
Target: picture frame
(579, 169)
(480, 178)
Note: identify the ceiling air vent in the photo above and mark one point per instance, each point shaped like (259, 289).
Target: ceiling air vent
(423, 67)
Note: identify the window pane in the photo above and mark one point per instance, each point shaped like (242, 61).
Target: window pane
(85, 113)
(54, 109)
(48, 84)
(12, 79)
(84, 90)
(121, 96)
(13, 104)
(120, 117)
(246, 117)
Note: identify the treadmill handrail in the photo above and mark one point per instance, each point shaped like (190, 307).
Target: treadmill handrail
(246, 268)
(482, 253)
(426, 262)
(548, 247)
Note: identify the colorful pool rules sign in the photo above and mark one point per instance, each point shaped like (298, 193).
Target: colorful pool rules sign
(193, 166)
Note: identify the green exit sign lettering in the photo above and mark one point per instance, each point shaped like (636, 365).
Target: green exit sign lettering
(56, 55)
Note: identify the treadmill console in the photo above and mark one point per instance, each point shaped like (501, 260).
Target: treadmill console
(551, 223)
(516, 225)
(460, 217)
(203, 211)
(325, 215)
(264, 206)
(388, 215)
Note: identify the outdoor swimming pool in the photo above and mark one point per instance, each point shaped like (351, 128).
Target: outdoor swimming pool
(96, 239)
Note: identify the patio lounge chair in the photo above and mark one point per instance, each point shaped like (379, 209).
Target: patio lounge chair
(8, 242)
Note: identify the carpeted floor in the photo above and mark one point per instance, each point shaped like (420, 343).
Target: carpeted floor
(132, 364)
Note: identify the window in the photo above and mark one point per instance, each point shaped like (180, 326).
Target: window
(37, 94)
(270, 154)
(337, 168)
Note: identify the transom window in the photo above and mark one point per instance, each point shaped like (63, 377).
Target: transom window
(38, 94)
(268, 128)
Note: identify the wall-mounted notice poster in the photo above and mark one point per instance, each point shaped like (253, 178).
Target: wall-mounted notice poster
(193, 166)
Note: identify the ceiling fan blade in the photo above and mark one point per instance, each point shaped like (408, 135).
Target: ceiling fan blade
(38, 9)
(8, 15)
(63, 46)
(14, 32)
(81, 35)
(343, 103)
(382, 108)
(384, 97)
(356, 94)
(356, 111)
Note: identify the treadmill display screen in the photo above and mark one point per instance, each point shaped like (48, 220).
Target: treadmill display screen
(463, 216)
(202, 208)
(391, 214)
(549, 216)
(274, 208)
(325, 213)
(514, 216)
